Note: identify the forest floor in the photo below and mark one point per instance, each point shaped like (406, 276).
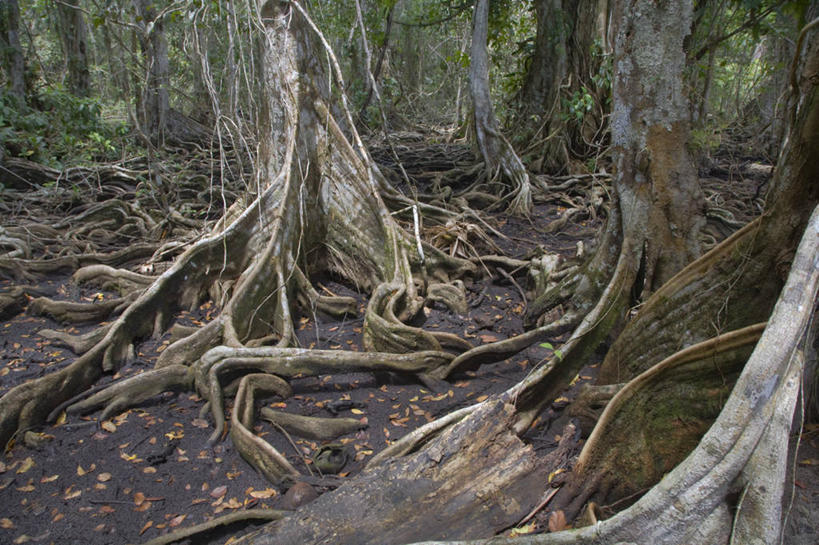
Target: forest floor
(149, 470)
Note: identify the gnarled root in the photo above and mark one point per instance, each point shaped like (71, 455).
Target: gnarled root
(258, 452)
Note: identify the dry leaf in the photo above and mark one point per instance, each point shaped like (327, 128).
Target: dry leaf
(146, 526)
(263, 494)
(176, 521)
(6, 523)
(109, 426)
(139, 498)
(218, 492)
(523, 530)
(805, 462)
(104, 477)
(27, 464)
(144, 507)
(557, 521)
(356, 411)
(50, 479)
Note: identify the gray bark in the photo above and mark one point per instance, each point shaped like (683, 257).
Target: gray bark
(74, 35)
(13, 60)
(154, 104)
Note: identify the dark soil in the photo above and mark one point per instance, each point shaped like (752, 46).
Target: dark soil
(148, 470)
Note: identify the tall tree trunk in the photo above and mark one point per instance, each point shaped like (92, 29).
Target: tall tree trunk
(154, 110)
(13, 61)
(498, 155)
(562, 65)
(74, 35)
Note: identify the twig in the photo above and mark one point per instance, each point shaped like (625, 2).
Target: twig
(540, 506)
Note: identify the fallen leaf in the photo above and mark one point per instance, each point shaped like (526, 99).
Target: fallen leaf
(263, 494)
(71, 494)
(27, 464)
(481, 398)
(146, 526)
(144, 507)
(356, 411)
(218, 492)
(139, 498)
(6, 523)
(104, 477)
(22, 539)
(50, 479)
(805, 462)
(177, 520)
(109, 426)
(26, 488)
(557, 521)
(200, 423)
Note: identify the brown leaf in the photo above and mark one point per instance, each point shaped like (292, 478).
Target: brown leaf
(177, 520)
(557, 521)
(218, 492)
(144, 507)
(109, 426)
(263, 494)
(146, 526)
(139, 498)
(27, 464)
(6, 523)
(104, 477)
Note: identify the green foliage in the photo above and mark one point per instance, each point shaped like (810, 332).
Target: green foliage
(58, 126)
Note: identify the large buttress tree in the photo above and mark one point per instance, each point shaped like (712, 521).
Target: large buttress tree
(677, 368)
(316, 207)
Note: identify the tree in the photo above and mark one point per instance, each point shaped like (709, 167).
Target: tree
(153, 106)
(318, 208)
(13, 61)
(499, 157)
(560, 71)
(74, 33)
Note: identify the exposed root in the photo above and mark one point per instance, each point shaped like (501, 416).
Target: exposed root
(311, 427)
(258, 452)
(224, 520)
(135, 390)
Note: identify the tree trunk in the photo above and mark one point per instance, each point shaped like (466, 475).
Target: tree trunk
(13, 61)
(153, 105)
(561, 66)
(499, 157)
(74, 34)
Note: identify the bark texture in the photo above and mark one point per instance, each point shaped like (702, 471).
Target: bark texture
(74, 34)
(13, 61)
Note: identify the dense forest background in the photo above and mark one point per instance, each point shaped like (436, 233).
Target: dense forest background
(84, 80)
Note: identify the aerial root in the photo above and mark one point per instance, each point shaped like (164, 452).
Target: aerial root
(109, 278)
(77, 313)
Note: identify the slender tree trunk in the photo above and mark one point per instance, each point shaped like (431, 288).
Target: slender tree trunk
(74, 35)
(13, 61)
(155, 104)
(498, 155)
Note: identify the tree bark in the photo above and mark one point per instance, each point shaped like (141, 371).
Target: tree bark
(13, 60)
(74, 35)
(154, 104)
(562, 64)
